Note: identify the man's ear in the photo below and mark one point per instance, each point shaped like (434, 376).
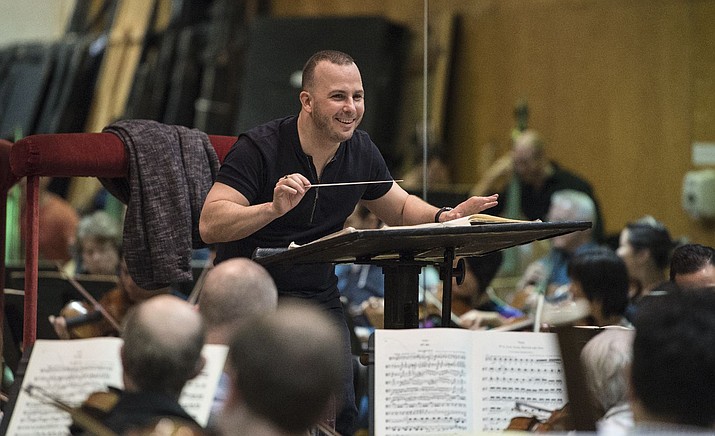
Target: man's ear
(306, 101)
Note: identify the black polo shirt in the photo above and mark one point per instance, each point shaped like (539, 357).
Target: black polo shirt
(268, 152)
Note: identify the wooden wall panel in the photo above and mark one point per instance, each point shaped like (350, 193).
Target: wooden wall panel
(619, 88)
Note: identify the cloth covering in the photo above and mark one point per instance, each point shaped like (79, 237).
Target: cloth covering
(171, 169)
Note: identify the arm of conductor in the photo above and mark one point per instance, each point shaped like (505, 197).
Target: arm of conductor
(397, 207)
(228, 216)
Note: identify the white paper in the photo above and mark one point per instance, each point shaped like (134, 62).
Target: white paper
(70, 370)
(452, 381)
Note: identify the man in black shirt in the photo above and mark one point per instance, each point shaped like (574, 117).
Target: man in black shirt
(263, 195)
(528, 178)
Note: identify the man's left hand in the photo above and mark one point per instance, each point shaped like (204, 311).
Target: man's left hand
(470, 206)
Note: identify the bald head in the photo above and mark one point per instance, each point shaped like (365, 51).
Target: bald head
(163, 339)
(530, 162)
(234, 290)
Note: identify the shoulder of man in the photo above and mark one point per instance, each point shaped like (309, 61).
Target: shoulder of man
(574, 180)
(269, 130)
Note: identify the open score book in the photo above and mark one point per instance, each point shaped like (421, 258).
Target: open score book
(470, 220)
(70, 370)
(446, 381)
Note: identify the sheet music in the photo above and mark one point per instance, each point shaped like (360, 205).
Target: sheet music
(198, 394)
(422, 382)
(523, 367)
(453, 381)
(71, 370)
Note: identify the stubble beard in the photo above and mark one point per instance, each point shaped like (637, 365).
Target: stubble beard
(324, 124)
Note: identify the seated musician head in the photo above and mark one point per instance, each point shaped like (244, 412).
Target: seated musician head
(673, 370)
(605, 360)
(551, 271)
(284, 372)
(478, 275)
(646, 246)
(235, 290)
(99, 243)
(693, 266)
(163, 339)
(572, 205)
(600, 276)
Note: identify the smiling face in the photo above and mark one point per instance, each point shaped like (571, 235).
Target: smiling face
(335, 100)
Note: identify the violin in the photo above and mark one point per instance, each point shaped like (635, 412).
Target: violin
(97, 318)
(89, 416)
(83, 320)
(86, 417)
(558, 420)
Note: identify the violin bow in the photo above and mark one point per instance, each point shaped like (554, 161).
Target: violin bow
(429, 295)
(97, 305)
(81, 418)
(325, 430)
(198, 286)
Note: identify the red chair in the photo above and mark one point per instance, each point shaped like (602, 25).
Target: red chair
(62, 155)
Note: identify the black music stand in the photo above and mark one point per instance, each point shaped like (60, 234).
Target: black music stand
(403, 251)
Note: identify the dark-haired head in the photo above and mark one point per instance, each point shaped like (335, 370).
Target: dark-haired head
(603, 277)
(332, 56)
(673, 369)
(649, 234)
(690, 258)
(484, 268)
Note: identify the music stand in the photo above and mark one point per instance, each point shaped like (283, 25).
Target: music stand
(403, 251)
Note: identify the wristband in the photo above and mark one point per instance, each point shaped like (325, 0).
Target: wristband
(439, 213)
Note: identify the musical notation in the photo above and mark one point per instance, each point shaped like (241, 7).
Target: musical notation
(440, 381)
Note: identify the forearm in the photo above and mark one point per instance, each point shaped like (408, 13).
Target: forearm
(417, 211)
(397, 207)
(223, 220)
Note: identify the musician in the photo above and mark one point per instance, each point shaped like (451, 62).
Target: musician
(262, 196)
(672, 378)
(693, 266)
(646, 246)
(550, 272)
(116, 302)
(600, 276)
(526, 180)
(284, 371)
(58, 223)
(163, 339)
(470, 300)
(234, 291)
(605, 360)
(99, 244)
(358, 282)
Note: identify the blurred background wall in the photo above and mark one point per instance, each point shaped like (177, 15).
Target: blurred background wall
(620, 89)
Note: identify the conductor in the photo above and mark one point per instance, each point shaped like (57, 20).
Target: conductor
(264, 194)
